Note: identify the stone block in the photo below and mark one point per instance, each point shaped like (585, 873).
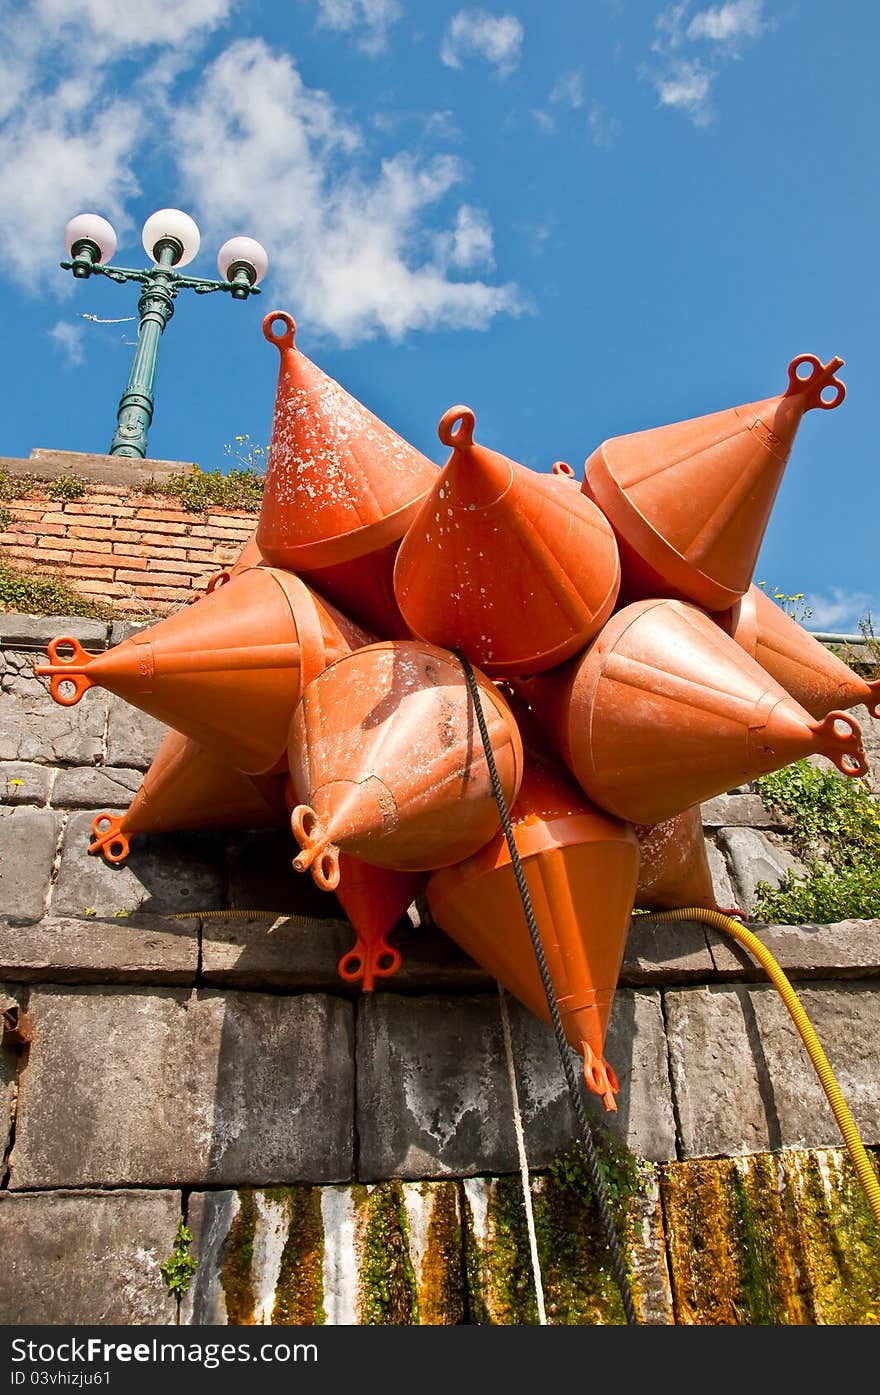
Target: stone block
(665, 951)
(721, 883)
(124, 629)
(739, 811)
(133, 736)
(752, 859)
(28, 838)
(265, 953)
(33, 727)
(432, 962)
(721, 1087)
(87, 1258)
(635, 1046)
(24, 784)
(19, 631)
(10, 1061)
(261, 876)
(142, 949)
(848, 949)
(95, 787)
(846, 1019)
(165, 874)
(386, 1254)
(163, 1088)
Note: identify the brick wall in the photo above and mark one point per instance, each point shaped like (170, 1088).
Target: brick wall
(141, 552)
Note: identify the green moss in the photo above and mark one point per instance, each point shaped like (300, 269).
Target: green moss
(299, 1292)
(841, 1251)
(760, 1245)
(236, 1267)
(388, 1294)
(440, 1296)
(45, 593)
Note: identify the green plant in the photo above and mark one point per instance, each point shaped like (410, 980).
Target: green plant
(179, 1268)
(6, 517)
(249, 456)
(795, 605)
(67, 487)
(618, 1167)
(45, 593)
(865, 659)
(835, 826)
(198, 489)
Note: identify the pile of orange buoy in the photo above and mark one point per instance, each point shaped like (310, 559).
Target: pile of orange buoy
(627, 670)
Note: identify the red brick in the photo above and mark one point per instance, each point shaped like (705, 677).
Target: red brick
(220, 533)
(24, 510)
(88, 572)
(139, 578)
(175, 515)
(165, 554)
(110, 535)
(53, 515)
(153, 525)
(162, 593)
(120, 559)
(87, 546)
(103, 590)
(40, 530)
(161, 564)
(36, 554)
(102, 510)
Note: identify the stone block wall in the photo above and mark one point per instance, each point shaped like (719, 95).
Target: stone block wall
(343, 1157)
(138, 551)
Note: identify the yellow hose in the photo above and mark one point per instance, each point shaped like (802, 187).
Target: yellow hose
(861, 1161)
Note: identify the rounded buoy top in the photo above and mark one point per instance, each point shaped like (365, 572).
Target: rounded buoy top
(281, 341)
(813, 384)
(463, 436)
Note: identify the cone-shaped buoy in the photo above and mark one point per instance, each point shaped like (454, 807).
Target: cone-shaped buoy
(386, 760)
(188, 787)
(581, 868)
(341, 486)
(665, 710)
(815, 677)
(227, 671)
(250, 556)
(374, 899)
(515, 569)
(674, 869)
(690, 502)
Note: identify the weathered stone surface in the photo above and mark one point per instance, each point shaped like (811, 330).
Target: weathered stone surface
(28, 838)
(723, 1094)
(24, 784)
(739, 811)
(87, 1257)
(261, 876)
(19, 631)
(10, 1061)
(846, 1018)
(164, 874)
(664, 951)
(33, 727)
(124, 629)
(95, 787)
(849, 949)
(260, 953)
(163, 1088)
(721, 884)
(389, 1254)
(133, 736)
(76, 950)
(753, 858)
(431, 961)
(635, 1045)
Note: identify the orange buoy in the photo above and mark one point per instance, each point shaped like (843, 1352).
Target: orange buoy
(674, 869)
(664, 710)
(374, 899)
(815, 677)
(581, 868)
(515, 569)
(341, 487)
(188, 787)
(227, 671)
(690, 502)
(250, 556)
(387, 763)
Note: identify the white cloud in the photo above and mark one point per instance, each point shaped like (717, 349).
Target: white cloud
(131, 24)
(841, 610)
(683, 77)
(68, 339)
(477, 34)
(472, 243)
(370, 18)
(351, 252)
(603, 128)
(568, 90)
(728, 24)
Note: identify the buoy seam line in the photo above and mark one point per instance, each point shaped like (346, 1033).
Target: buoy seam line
(847, 1125)
(592, 1160)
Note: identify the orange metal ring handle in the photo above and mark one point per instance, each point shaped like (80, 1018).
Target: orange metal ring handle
(463, 436)
(70, 669)
(281, 341)
(318, 851)
(216, 581)
(109, 838)
(352, 965)
(845, 749)
(599, 1076)
(563, 470)
(874, 702)
(815, 383)
(369, 962)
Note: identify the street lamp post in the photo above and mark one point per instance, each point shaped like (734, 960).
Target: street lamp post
(172, 239)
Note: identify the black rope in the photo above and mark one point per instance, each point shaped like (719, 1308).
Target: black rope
(593, 1170)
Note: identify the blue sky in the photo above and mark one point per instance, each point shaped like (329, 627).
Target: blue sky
(580, 217)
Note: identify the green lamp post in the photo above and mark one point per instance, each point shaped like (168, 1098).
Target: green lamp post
(172, 239)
